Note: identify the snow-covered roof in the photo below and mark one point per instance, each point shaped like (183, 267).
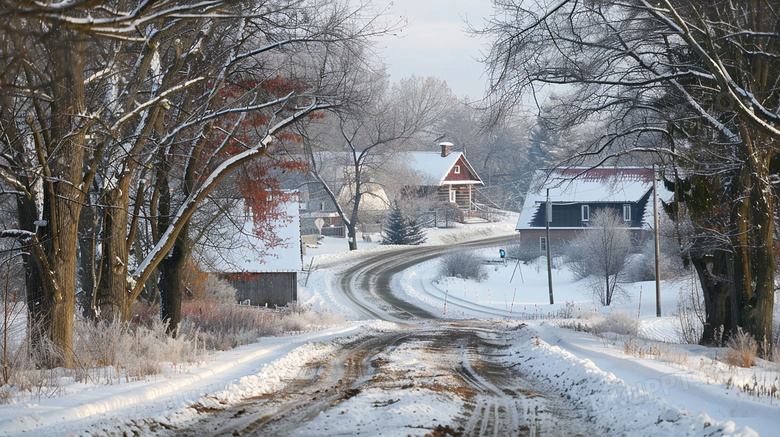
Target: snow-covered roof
(245, 254)
(433, 167)
(581, 185)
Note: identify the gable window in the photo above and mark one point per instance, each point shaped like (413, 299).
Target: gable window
(627, 213)
(543, 244)
(456, 169)
(585, 213)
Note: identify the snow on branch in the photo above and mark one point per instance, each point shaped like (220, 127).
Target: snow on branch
(157, 100)
(17, 234)
(188, 207)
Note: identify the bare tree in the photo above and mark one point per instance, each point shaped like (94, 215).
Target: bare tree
(140, 100)
(388, 119)
(600, 254)
(682, 82)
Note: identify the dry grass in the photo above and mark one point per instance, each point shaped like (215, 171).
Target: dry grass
(741, 350)
(118, 352)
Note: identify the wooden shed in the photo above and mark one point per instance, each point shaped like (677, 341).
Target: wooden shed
(263, 275)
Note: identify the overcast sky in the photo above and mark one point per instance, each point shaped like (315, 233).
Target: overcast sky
(435, 43)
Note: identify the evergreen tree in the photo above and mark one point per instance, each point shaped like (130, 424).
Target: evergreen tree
(414, 232)
(400, 230)
(395, 228)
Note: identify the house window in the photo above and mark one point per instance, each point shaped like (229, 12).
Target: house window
(453, 195)
(585, 213)
(456, 169)
(627, 213)
(543, 244)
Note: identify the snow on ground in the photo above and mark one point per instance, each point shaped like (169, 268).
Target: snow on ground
(627, 385)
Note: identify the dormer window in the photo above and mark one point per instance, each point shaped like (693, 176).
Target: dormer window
(456, 169)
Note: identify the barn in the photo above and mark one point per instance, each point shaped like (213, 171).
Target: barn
(263, 274)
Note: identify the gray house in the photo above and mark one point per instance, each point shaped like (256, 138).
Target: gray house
(576, 193)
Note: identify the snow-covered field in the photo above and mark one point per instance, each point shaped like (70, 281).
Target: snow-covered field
(627, 385)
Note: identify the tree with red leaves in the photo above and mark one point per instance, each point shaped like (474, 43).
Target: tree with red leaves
(134, 114)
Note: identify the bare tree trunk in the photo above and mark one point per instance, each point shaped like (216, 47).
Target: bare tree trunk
(172, 283)
(63, 195)
(113, 300)
(88, 272)
(351, 235)
(171, 268)
(716, 292)
(762, 247)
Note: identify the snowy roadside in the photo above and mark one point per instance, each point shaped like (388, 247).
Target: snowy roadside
(109, 410)
(628, 396)
(624, 392)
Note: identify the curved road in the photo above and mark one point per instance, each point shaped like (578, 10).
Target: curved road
(458, 358)
(368, 284)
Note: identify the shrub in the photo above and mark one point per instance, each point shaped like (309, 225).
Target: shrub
(447, 215)
(741, 349)
(524, 251)
(222, 327)
(218, 291)
(465, 265)
(113, 350)
(618, 322)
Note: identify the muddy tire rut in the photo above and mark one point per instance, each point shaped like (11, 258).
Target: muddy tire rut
(456, 361)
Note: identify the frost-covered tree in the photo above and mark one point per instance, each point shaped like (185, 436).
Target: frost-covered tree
(600, 254)
(688, 84)
(133, 108)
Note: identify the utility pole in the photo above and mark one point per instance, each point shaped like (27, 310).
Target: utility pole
(657, 233)
(548, 219)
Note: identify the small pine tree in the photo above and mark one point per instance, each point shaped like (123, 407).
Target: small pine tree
(400, 230)
(414, 232)
(395, 228)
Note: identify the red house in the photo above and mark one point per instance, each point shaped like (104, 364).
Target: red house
(447, 174)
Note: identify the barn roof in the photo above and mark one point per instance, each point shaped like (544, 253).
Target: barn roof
(244, 255)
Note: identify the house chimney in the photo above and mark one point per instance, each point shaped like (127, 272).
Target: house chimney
(446, 148)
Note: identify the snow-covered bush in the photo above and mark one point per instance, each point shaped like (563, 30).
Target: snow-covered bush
(447, 215)
(618, 322)
(25, 372)
(464, 265)
(641, 265)
(218, 291)
(523, 251)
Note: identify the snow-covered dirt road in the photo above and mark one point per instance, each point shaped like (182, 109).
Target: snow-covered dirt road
(424, 355)
(425, 376)
(434, 378)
